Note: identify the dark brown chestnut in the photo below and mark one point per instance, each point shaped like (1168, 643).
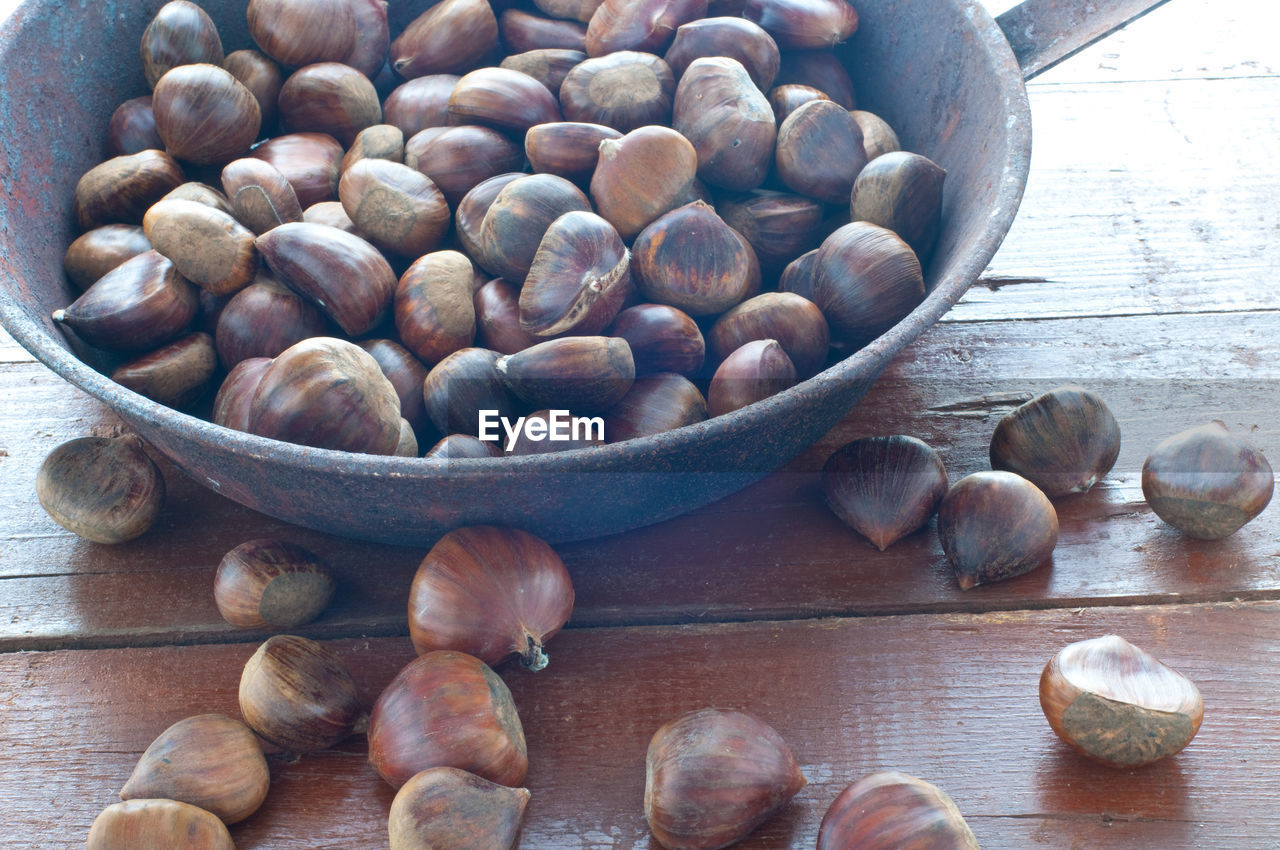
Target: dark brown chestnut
(736, 38)
(373, 37)
(176, 375)
(450, 808)
(622, 90)
(903, 192)
(655, 403)
(100, 250)
(690, 259)
(751, 373)
(299, 695)
(181, 33)
(1207, 482)
(888, 810)
(548, 65)
(648, 172)
(518, 218)
(804, 24)
(505, 99)
(261, 76)
(523, 31)
(133, 128)
(232, 403)
(266, 582)
(884, 487)
(122, 189)
(497, 305)
(259, 194)
(729, 122)
(567, 149)
(447, 709)
(878, 138)
(329, 97)
(786, 99)
(202, 193)
(820, 151)
(138, 306)
(264, 319)
(1062, 441)
(865, 279)
(205, 115)
(578, 280)
(662, 339)
(434, 312)
(797, 277)
(779, 226)
(397, 208)
(208, 247)
(448, 38)
(105, 490)
(406, 373)
(461, 385)
(300, 32)
(457, 159)
(581, 373)
(794, 321)
(470, 210)
(994, 526)
(311, 162)
(647, 25)
(420, 103)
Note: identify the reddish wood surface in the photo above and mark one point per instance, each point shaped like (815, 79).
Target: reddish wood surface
(1143, 264)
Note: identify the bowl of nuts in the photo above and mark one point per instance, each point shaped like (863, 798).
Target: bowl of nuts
(572, 267)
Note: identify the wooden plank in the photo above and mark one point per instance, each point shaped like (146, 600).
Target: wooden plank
(740, 558)
(949, 698)
(1043, 33)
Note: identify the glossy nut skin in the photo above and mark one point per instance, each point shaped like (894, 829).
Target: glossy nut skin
(311, 162)
(329, 97)
(866, 279)
(205, 115)
(878, 138)
(713, 776)
(458, 159)
(133, 128)
(804, 24)
(372, 44)
(298, 695)
(139, 305)
(580, 373)
(780, 226)
(736, 38)
(787, 98)
(497, 306)
(121, 189)
(207, 246)
(822, 70)
(434, 311)
(342, 274)
(176, 375)
(422, 102)
(523, 31)
(406, 374)
(798, 276)
(889, 810)
(490, 592)
(622, 90)
(903, 192)
(795, 322)
(884, 487)
(397, 208)
(502, 98)
(646, 25)
(820, 151)
(268, 583)
(264, 319)
(751, 373)
(261, 76)
(232, 403)
(1117, 704)
(689, 258)
(450, 37)
(662, 339)
(579, 278)
(259, 194)
(104, 490)
(648, 172)
(519, 217)
(327, 393)
(470, 210)
(1207, 482)
(1063, 441)
(729, 122)
(547, 65)
(655, 403)
(209, 760)
(461, 385)
(566, 148)
(447, 709)
(300, 32)
(98, 251)
(451, 808)
(994, 526)
(157, 823)
(380, 141)
(181, 33)
(330, 214)
(202, 193)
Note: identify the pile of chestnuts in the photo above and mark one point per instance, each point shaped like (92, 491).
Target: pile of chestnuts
(649, 212)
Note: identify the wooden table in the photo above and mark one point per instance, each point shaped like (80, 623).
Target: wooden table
(1144, 264)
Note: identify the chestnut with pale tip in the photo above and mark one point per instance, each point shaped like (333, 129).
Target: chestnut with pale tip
(490, 592)
(299, 695)
(713, 776)
(884, 487)
(581, 373)
(1207, 482)
(157, 823)
(1063, 441)
(104, 489)
(578, 280)
(1117, 704)
(889, 810)
(451, 809)
(271, 583)
(994, 526)
(450, 37)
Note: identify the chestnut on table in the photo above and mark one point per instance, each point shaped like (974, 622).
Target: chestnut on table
(1139, 267)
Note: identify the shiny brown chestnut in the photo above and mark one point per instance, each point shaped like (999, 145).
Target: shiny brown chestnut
(208, 247)
(300, 32)
(580, 373)
(232, 403)
(330, 214)
(622, 90)
(889, 810)
(158, 823)
(450, 808)
(795, 322)
(329, 97)
(176, 375)
(269, 583)
(713, 776)
(457, 159)
(447, 709)
(120, 190)
(648, 172)
(884, 487)
(647, 25)
(259, 194)
(98, 251)
(381, 141)
(548, 65)
(469, 211)
(434, 311)
(1207, 482)
(181, 33)
(397, 208)
(504, 99)
(786, 99)
(422, 102)
(729, 122)
(342, 274)
(311, 162)
(264, 319)
(779, 226)
(655, 403)
(566, 148)
(736, 38)
(327, 393)
(202, 193)
(450, 37)
(797, 277)
(497, 306)
(299, 695)
(820, 151)
(1062, 441)
(261, 76)
(518, 218)
(903, 192)
(104, 490)
(406, 373)
(491, 592)
(209, 760)
(662, 339)
(751, 373)
(689, 258)
(138, 306)
(461, 385)
(523, 31)
(133, 128)
(865, 280)
(578, 280)
(994, 526)
(205, 115)
(878, 138)
(372, 44)
(804, 24)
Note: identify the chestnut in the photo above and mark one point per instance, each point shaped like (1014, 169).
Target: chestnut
(803, 24)
(865, 280)
(373, 37)
(121, 189)
(884, 487)
(878, 138)
(301, 32)
(205, 115)
(780, 226)
(434, 312)
(789, 97)
(516, 221)
(232, 403)
(502, 98)
(578, 279)
(689, 258)
(581, 373)
(646, 25)
(662, 339)
(497, 306)
(422, 102)
(271, 583)
(264, 319)
(406, 374)
(450, 37)
(176, 375)
(795, 322)
(903, 192)
(751, 373)
(138, 306)
(1062, 441)
(133, 128)
(566, 148)
(463, 446)
(202, 193)
(450, 808)
(820, 69)
(299, 695)
(622, 90)
(569, 10)
(523, 31)
(655, 403)
(181, 33)
(461, 385)
(381, 141)
(889, 810)
(397, 208)
(98, 251)
(330, 214)
(329, 97)
(648, 172)
(547, 65)
(735, 38)
(994, 526)
(208, 247)
(729, 122)
(259, 194)
(311, 162)
(261, 76)
(158, 823)
(457, 159)
(820, 151)
(104, 490)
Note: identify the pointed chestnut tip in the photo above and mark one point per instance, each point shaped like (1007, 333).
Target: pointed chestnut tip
(966, 581)
(59, 316)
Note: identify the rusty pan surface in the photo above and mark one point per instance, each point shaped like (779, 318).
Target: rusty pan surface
(940, 71)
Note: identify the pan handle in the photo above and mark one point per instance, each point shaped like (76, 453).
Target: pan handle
(1044, 32)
